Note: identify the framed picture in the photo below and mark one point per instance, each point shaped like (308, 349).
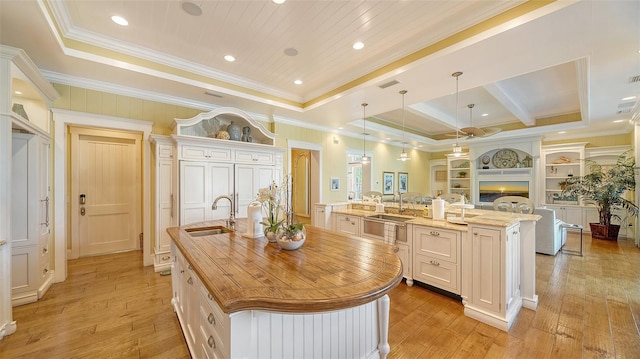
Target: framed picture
(403, 182)
(335, 184)
(387, 182)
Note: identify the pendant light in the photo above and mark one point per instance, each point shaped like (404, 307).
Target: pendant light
(457, 150)
(365, 159)
(403, 156)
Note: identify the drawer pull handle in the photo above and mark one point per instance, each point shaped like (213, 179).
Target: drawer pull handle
(396, 249)
(433, 233)
(211, 319)
(434, 263)
(45, 250)
(166, 258)
(475, 233)
(181, 271)
(211, 342)
(44, 271)
(190, 281)
(209, 296)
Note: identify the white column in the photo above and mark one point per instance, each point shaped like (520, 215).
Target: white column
(383, 325)
(528, 264)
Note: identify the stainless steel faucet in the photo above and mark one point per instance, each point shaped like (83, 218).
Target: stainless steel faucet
(400, 207)
(232, 217)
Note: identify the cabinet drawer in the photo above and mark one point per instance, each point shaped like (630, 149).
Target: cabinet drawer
(165, 151)
(206, 153)
(164, 258)
(441, 244)
(263, 158)
(436, 272)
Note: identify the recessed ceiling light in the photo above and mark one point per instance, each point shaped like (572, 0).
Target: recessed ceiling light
(119, 20)
(229, 58)
(191, 8)
(298, 82)
(17, 92)
(629, 98)
(420, 146)
(358, 45)
(340, 128)
(618, 121)
(279, 2)
(291, 51)
(561, 132)
(485, 114)
(388, 138)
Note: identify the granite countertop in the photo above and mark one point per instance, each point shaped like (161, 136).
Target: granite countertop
(472, 216)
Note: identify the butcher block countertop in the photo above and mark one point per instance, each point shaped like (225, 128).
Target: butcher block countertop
(330, 271)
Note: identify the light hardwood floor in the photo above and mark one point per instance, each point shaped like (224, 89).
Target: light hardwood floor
(111, 307)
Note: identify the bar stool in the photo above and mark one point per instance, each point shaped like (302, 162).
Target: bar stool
(565, 227)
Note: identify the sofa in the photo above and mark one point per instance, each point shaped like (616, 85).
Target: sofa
(549, 236)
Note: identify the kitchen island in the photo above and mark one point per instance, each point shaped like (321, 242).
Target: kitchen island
(242, 297)
(487, 258)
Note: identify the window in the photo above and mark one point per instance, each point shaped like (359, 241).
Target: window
(357, 175)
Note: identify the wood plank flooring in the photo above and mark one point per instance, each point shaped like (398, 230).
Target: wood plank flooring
(112, 307)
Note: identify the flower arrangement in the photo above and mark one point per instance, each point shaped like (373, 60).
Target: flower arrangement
(271, 197)
(276, 199)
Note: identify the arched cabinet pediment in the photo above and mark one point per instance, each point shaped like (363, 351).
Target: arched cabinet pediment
(211, 124)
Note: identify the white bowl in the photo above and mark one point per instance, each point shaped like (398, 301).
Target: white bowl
(289, 244)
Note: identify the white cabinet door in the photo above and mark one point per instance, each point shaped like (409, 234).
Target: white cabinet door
(486, 263)
(200, 184)
(249, 179)
(164, 197)
(347, 224)
(404, 252)
(512, 266)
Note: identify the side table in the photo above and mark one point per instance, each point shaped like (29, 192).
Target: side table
(566, 227)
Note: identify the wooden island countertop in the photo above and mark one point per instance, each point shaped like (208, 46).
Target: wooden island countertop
(331, 271)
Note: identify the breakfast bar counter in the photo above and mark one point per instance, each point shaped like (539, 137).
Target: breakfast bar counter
(257, 293)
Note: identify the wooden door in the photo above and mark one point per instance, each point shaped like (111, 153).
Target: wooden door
(106, 191)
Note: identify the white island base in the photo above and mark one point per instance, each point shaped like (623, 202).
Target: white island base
(358, 332)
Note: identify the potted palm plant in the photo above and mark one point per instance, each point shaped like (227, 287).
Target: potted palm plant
(605, 186)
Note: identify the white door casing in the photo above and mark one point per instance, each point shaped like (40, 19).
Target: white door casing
(105, 168)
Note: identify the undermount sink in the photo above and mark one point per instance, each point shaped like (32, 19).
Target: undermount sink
(207, 231)
(387, 217)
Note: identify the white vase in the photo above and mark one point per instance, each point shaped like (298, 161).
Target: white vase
(271, 236)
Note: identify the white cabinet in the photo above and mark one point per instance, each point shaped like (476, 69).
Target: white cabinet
(248, 180)
(205, 326)
(459, 175)
(164, 199)
(206, 153)
(494, 275)
(436, 257)
(560, 162)
(404, 252)
(347, 224)
(30, 232)
(200, 184)
(568, 214)
(322, 216)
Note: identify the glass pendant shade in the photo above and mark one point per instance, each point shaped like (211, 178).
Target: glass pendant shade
(365, 159)
(404, 156)
(457, 149)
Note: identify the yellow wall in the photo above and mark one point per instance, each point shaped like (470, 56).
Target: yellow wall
(601, 141)
(103, 103)
(334, 158)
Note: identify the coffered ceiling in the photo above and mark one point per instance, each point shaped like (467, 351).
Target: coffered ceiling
(533, 67)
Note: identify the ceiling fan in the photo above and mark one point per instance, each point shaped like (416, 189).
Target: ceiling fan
(472, 132)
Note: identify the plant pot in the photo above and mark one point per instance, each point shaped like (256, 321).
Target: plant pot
(271, 236)
(607, 233)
